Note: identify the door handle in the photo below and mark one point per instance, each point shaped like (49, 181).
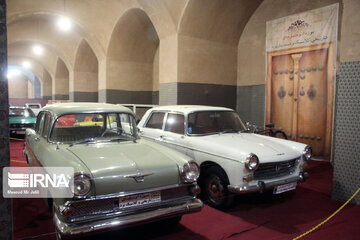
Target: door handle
(36, 139)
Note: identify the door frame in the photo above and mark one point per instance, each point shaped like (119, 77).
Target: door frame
(330, 83)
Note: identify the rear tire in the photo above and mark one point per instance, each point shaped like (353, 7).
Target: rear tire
(214, 188)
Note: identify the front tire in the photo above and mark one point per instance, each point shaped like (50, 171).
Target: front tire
(214, 188)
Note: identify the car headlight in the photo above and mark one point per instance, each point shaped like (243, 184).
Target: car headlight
(252, 162)
(82, 185)
(190, 172)
(307, 153)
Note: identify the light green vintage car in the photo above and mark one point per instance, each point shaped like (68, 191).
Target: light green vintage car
(120, 179)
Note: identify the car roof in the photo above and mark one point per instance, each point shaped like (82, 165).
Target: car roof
(68, 108)
(190, 108)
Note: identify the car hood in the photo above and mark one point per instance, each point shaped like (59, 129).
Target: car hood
(114, 166)
(240, 145)
(22, 120)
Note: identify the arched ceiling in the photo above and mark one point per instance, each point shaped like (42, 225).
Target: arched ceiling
(134, 38)
(24, 49)
(36, 67)
(85, 60)
(42, 30)
(218, 20)
(95, 20)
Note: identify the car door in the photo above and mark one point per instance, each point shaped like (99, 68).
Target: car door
(174, 132)
(33, 138)
(153, 126)
(39, 141)
(43, 143)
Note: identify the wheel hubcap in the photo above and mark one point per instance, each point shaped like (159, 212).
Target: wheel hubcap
(215, 189)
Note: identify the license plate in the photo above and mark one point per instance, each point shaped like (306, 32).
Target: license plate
(284, 188)
(139, 199)
(20, 132)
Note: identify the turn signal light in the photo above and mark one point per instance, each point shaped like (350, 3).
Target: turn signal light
(248, 178)
(195, 190)
(67, 212)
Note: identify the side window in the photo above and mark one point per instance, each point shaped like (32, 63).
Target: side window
(46, 127)
(175, 123)
(156, 120)
(39, 123)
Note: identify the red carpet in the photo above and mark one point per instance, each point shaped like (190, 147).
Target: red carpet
(253, 216)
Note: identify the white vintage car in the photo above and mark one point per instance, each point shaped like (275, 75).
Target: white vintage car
(231, 159)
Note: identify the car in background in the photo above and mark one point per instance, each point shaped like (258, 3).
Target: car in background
(35, 107)
(20, 118)
(231, 159)
(120, 179)
(138, 109)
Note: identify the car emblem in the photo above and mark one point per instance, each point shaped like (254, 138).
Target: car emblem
(277, 168)
(139, 177)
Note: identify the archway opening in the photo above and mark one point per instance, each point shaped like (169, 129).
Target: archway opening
(131, 60)
(85, 83)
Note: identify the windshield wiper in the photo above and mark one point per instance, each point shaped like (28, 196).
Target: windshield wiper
(123, 136)
(230, 131)
(246, 130)
(86, 140)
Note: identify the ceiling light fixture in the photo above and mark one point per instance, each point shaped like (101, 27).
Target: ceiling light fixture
(13, 73)
(26, 64)
(38, 50)
(64, 24)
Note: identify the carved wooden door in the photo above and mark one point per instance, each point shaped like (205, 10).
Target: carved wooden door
(299, 97)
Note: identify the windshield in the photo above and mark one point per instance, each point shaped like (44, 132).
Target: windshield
(210, 122)
(33, 106)
(21, 112)
(91, 127)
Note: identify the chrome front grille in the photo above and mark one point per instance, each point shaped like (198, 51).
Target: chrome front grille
(87, 209)
(275, 169)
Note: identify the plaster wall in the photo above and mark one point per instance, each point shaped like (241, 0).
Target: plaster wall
(47, 85)
(18, 87)
(30, 90)
(203, 61)
(61, 82)
(349, 47)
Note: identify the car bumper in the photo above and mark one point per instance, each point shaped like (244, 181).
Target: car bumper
(17, 130)
(75, 229)
(262, 186)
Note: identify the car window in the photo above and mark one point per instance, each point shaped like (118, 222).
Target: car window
(21, 112)
(39, 123)
(80, 127)
(47, 123)
(175, 123)
(33, 106)
(156, 120)
(208, 122)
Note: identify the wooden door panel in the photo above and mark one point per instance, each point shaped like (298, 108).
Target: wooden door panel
(282, 89)
(312, 99)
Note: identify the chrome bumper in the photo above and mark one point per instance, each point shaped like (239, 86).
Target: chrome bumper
(262, 186)
(73, 229)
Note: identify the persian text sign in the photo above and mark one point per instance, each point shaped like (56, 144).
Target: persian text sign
(304, 29)
(38, 182)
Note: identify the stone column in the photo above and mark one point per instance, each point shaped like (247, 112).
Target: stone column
(5, 204)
